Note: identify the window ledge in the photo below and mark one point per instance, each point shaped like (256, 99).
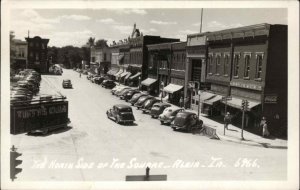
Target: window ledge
(217, 74)
(209, 73)
(225, 75)
(257, 79)
(246, 78)
(235, 77)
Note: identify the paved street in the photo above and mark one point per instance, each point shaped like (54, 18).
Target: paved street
(96, 148)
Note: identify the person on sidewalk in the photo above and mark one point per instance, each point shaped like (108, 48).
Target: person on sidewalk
(181, 102)
(263, 124)
(79, 75)
(227, 120)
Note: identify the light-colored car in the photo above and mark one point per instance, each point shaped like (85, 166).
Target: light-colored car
(169, 114)
(118, 88)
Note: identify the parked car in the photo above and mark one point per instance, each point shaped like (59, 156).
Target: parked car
(169, 114)
(186, 120)
(121, 114)
(136, 97)
(128, 95)
(67, 83)
(146, 107)
(93, 77)
(99, 80)
(108, 84)
(158, 109)
(117, 87)
(141, 101)
(120, 92)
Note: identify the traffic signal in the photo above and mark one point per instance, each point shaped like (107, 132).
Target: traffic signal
(14, 163)
(245, 104)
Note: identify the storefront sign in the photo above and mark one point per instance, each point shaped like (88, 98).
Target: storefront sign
(271, 99)
(244, 85)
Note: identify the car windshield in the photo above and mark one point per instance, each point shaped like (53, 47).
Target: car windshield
(142, 98)
(125, 110)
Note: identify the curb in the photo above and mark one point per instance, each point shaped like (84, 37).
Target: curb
(251, 143)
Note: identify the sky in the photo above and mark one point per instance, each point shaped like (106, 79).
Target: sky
(74, 26)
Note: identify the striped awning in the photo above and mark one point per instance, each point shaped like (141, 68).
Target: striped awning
(148, 81)
(237, 103)
(212, 100)
(171, 88)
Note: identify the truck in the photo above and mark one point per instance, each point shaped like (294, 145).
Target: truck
(40, 115)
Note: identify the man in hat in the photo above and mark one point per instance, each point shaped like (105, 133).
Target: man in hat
(227, 120)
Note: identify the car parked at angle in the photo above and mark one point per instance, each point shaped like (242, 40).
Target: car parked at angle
(186, 121)
(121, 113)
(67, 83)
(169, 114)
(136, 97)
(123, 91)
(93, 77)
(108, 84)
(158, 109)
(117, 87)
(147, 105)
(141, 101)
(99, 80)
(128, 95)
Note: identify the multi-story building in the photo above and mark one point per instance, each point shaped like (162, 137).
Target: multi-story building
(19, 54)
(166, 64)
(37, 54)
(249, 63)
(196, 50)
(100, 56)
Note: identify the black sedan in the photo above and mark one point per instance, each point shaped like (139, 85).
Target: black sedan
(67, 83)
(128, 95)
(148, 104)
(108, 84)
(141, 101)
(121, 114)
(158, 108)
(187, 121)
(136, 97)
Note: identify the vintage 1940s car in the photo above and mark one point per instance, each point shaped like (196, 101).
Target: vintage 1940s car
(146, 107)
(158, 108)
(186, 121)
(121, 114)
(169, 114)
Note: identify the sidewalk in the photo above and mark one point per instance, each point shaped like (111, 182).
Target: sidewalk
(233, 134)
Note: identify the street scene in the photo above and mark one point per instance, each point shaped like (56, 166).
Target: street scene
(93, 139)
(149, 95)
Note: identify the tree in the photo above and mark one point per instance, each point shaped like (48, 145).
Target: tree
(91, 41)
(101, 43)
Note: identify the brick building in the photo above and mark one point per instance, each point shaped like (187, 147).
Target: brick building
(249, 63)
(19, 54)
(37, 54)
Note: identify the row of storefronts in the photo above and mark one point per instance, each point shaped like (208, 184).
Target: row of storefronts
(212, 72)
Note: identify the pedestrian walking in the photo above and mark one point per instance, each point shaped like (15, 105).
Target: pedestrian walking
(264, 125)
(227, 120)
(181, 102)
(79, 75)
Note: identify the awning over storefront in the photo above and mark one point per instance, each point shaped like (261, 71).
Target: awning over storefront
(237, 103)
(128, 75)
(205, 95)
(123, 74)
(171, 88)
(112, 71)
(148, 81)
(135, 76)
(212, 100)
(118, 73)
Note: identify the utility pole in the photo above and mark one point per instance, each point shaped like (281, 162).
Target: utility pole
(201, 20)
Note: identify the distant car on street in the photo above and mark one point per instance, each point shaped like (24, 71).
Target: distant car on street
(187, 121)
(169, 114)
(120, 92)
(117, 87)
(67, 83)
(121, 114)
(158, 109)
(141, 101)
(135, 98)
(108, 84)
(128, 95)
(99, 80)
(146, 107)
(94, 77)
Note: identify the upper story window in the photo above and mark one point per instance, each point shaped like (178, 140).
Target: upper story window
(236, 65)
(259, 63)
(218, 63)
(226, 64)
(247, 57)
(43, 46)
(37, 58)
(210, 63)
(104, 56)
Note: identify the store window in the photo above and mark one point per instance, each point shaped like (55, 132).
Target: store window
(226, 64)
(210, 62)
(247, 58)
(218, 64)
(236, 65)
(259, 62)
